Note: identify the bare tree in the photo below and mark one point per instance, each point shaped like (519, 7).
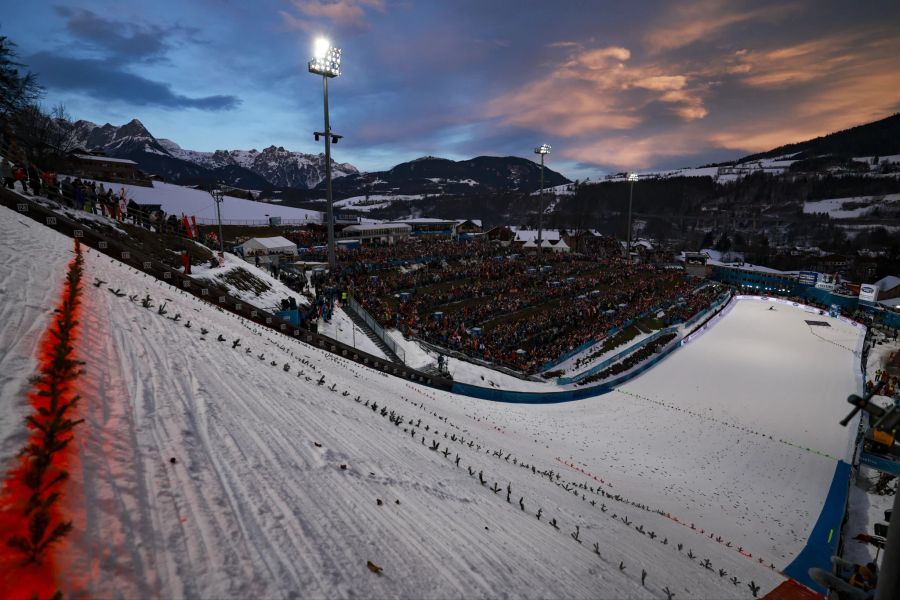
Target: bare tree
(18, 88)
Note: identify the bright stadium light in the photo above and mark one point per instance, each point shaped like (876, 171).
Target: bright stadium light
(320, 47)
(326, 59)
(543, 149)
(327, 63)
(632, 177)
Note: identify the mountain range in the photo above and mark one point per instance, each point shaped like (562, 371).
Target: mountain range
(272, 167)
(443, 177)
(302, 175)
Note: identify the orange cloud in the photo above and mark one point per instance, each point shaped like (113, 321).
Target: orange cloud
(797, 64)
(662, 82)
(630, 152)
(700, 20)
(594, 90)
(349, 13)
(793, 93)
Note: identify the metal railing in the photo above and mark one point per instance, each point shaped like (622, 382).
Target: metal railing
(376, 328)
(257, 222)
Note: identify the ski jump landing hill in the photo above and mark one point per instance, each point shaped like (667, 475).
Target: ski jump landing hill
(702, 476)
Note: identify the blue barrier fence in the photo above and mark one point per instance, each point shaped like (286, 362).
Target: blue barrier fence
(614, 359)
(823, 541)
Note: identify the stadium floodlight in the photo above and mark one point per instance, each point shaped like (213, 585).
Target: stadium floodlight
(326, 59)
(218, 194)
(543, 149)
(632, 177)
(327, 63)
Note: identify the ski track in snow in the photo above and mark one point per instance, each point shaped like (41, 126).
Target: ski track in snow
(252, 507)
(30, 288)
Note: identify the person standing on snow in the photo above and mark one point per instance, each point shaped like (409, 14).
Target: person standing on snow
(6, 173)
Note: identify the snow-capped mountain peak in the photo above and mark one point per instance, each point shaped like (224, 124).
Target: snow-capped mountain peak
(276, 165)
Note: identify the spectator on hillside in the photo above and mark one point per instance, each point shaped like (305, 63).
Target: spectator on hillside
(51, 186)
(6, 173)
(34, 180)
(20, 175)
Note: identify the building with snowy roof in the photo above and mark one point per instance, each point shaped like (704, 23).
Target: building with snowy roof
(524, 235)
(883, 291)
(377, 233)
(428, 227)
(106, 168)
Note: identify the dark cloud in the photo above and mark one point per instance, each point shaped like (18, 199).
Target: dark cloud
(106, 81)
(122, 40)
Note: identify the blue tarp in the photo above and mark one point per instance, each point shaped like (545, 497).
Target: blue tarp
(823, 541)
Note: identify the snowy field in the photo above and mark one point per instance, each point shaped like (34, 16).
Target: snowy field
(374, 201)
(257, 503)
(268, 300)
(177, 200)
(833, 206)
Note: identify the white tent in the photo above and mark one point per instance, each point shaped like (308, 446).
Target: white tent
(560, 246)
(269, 245)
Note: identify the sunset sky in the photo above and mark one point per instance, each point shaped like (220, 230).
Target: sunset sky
(610, 85)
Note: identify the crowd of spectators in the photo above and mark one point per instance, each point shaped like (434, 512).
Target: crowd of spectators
(507, 307)
(83, 195)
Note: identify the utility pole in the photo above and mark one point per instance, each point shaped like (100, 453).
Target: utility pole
(632, 177)
(543, 149)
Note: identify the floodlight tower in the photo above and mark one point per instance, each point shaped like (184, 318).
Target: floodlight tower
(327, 63)
(632, 177)
(218, 195)
(543, 149)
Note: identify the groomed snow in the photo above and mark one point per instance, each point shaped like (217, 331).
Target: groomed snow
(256, 503)
(178, 200)
(30, 288)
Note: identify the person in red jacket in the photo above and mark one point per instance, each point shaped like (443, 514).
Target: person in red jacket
(19, 174)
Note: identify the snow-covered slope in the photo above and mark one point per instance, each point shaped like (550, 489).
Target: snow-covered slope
(178, 200)
(856, 207)
(249, 292)
(28, 296)
(257, 503)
